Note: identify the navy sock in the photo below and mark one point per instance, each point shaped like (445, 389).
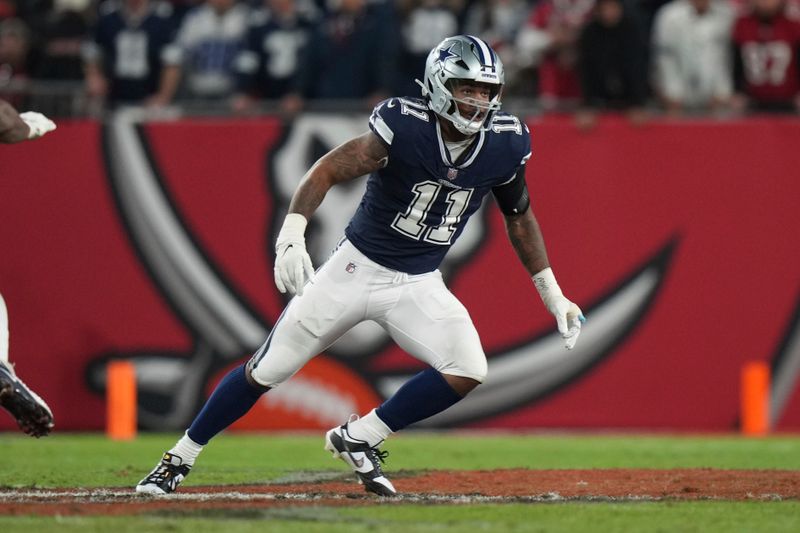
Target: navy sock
(232, 398)
(422, 396)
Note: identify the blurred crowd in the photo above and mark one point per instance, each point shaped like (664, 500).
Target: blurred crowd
(679, 56)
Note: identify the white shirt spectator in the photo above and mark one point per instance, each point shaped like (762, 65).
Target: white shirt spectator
(691, 47)
(206, 47)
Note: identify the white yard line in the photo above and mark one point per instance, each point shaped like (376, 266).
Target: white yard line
(128, 496)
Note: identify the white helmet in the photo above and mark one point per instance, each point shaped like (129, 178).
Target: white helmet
(462, 57)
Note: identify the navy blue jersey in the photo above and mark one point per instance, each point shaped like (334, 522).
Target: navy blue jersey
(131, 49)
(416, 207)
(272, 53)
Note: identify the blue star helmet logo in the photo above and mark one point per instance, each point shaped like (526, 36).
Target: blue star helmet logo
(445, 54)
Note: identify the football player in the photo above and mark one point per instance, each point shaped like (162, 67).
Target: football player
(30, 411)
(431, 161)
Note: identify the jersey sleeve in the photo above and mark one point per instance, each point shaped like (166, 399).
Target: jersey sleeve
(518, 143)
(380, 120)
(397, 122)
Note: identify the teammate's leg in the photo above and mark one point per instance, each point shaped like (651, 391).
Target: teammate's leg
(31, 412)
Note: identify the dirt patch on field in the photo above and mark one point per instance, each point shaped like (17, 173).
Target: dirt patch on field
(459, 487)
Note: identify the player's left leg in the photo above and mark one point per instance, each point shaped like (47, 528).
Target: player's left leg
(431, 324)
(31, 412)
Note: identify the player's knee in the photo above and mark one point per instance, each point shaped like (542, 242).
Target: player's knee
(274, 368)
(461, 385)
(472, 366)
(477, 368)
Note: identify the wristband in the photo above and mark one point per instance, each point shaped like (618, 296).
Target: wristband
(545, 282)
(293, 230)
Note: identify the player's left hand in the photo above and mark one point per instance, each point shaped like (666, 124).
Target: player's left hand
(569, 319)
(38, 124)
(569, 316)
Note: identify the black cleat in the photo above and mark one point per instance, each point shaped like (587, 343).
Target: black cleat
(165, 477)
(31, 412)
(362, 458)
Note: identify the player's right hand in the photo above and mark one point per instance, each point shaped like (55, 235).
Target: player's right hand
(38, 124)
(292, 263)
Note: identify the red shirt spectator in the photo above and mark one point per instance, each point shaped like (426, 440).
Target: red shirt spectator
(768, 56)
(552, 30)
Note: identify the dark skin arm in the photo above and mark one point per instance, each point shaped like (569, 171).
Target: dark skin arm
(12, 127)
(526, 238)
(361, 155)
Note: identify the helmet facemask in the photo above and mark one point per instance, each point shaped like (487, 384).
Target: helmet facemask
(466, 121)
(463, 59)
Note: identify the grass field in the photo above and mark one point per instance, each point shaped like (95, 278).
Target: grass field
(92, 462)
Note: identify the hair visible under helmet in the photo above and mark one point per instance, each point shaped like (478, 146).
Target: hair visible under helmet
(462, 58)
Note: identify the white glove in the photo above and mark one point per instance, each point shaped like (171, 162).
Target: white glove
(38, 124)
(292, 263)
(569, 316)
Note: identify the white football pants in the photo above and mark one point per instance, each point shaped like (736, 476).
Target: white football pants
(418, 311)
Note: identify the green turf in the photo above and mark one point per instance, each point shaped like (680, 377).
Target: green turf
(69, 460)
(89, 460)
(701, 517)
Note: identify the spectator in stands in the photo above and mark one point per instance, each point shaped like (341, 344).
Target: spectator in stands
(611, 62)
(423, 25)
(549, 43)
(123, 62)
(691, 55)
(208, 41)
(767, 58)
(65, 33)
(14, 50)
(497, 22)
(352, 53)
(268, 65)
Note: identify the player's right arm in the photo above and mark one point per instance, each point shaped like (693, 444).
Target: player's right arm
(361, 155)
(15, 127)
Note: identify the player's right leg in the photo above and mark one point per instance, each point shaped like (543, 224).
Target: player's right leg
(329, 306)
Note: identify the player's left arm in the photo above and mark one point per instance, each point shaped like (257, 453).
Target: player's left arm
(15, 127)
(526, 238)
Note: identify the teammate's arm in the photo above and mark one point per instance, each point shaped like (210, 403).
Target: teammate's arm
(15, 127)
(12, 128)
(526, 238)
(358, 156)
